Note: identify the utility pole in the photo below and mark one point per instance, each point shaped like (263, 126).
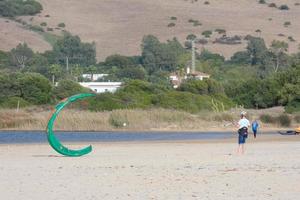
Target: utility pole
(193, 56)
(67, 63)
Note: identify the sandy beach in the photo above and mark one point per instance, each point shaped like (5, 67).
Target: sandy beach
(270, 169)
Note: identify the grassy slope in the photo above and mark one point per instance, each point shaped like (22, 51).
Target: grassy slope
(117, 26)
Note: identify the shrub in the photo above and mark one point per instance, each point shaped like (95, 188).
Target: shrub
(284, 120)
(47, 15)
(12, 102)
(207, 33)
(267, 119)
(66, 88)
(272, 5)
(206, 3)
(171, 25)
(220, 31)
(118, 119)
(293, 106)
(61, 25)
(49, 29)
(191, 37)
(262, 1)
(291, 39)
(297, 4)
(12, 8)
(197, 23)
(191, 21)
(283, 7)
(258, 31)
(173, 18)
(36, 28)
(287, 23)
(43, 24)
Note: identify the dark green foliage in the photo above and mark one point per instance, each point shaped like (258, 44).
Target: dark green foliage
(34, 88)
(257, 50)
(254, 93)
(31, 87)
(241, 57)
(36, 28)
(68, 88)
(77, 52)
(171, 24)
(4, 59)
(220, 31)
(119, 61)
(272, 5)
(139, 94)
(21, 55)
(131, 73)
(157, 56)
(12, 102)
(283, 7)
(49, 29)
(191, 37)
(206, 3)
(173, 18)
(43, 24)
(286, 24)
(262, 1)
(207, 55)
(61, 25)
(291, 39)
(203, 87)
(293, 106)
(207, 33)
(12, 8)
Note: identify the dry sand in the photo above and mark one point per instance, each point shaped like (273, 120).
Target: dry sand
(270, 169)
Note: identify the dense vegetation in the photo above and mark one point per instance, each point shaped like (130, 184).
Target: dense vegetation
(258, 77)
(12, 8)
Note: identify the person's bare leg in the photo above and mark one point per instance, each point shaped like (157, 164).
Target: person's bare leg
(238, 151)
(243, 149)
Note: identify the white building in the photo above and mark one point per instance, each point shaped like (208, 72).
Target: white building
(101, 87)
(94, 77)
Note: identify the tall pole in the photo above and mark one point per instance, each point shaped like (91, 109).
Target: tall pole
(193, 56)
(67, 63)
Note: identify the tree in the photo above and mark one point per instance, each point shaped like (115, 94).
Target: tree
(21, 55)
(257, 50)
(71, 48)
(4, 59)
(132, 73)
(279, 49)
(160, 56)
(34, 88)
(66, 88)
(55, 71)
(118, 61)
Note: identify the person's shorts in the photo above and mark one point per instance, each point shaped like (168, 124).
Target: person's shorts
(242, 139)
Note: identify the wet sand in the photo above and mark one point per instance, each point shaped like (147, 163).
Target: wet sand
(270, 169)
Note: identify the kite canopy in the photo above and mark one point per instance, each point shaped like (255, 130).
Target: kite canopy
(53, 141)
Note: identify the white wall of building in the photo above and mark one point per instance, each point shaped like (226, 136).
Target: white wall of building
(101, 87)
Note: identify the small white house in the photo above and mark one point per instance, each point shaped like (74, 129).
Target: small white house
(94, 77)
(101, 87)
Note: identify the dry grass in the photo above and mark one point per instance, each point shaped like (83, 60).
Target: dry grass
(36, 118)
(117, 26)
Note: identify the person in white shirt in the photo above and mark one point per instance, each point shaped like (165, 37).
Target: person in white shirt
(243, 126)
